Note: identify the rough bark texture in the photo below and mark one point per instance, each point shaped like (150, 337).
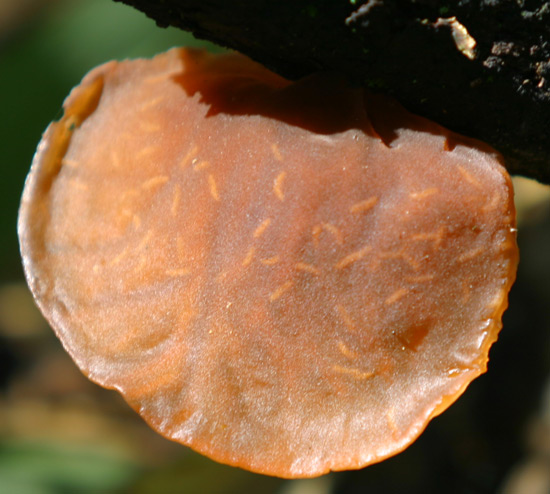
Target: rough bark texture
(479, 67)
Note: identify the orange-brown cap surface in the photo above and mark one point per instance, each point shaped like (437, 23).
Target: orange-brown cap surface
(288, 277)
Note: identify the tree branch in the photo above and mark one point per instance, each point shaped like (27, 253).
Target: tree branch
(479, 67)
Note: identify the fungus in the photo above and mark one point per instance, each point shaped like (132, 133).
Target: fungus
(291, 278)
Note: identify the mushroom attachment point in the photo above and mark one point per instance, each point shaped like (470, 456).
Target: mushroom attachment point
(289, 277)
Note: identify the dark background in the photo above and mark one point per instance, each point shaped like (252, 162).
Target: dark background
(60, 433)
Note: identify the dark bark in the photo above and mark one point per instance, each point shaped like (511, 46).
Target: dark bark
(498, 92)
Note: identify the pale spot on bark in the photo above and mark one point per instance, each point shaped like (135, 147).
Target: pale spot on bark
(464, 42)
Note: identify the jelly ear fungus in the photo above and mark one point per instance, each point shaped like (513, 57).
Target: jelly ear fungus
(292, 278)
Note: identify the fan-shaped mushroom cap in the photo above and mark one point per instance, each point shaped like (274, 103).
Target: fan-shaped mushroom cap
(288, 277)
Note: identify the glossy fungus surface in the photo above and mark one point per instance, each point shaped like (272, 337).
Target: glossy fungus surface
(288, 277)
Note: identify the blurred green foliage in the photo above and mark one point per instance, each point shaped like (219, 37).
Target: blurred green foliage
(54, 468)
